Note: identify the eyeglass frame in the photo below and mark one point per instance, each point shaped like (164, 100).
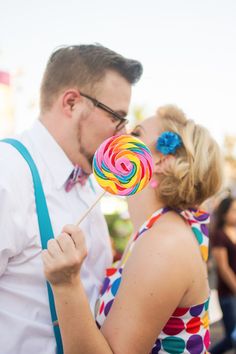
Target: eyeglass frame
(122, 121)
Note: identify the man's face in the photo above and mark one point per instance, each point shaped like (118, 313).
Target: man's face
(97, 125)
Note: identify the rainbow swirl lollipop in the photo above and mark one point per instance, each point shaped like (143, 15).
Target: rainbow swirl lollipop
(123, 165)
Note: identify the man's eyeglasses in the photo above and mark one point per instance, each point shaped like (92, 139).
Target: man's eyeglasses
(121, 120)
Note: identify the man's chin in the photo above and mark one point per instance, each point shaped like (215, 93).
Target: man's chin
(88, 168)
(86, 161)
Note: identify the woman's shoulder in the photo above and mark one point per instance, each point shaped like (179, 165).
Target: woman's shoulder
(164, 239)
(171, 226)
(169, 243)
(158, 256)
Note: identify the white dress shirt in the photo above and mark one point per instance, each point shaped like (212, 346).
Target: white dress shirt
(25, 322)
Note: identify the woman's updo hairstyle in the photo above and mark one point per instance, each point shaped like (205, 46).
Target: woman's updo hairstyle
(195, 174)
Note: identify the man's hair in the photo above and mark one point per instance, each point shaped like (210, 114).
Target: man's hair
(83, 66)
(196, 172)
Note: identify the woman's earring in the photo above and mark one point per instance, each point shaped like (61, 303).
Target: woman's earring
(154, 183)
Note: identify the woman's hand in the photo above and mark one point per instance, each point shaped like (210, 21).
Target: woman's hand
(64, 257)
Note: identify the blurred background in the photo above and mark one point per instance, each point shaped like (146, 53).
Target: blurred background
(188, 50)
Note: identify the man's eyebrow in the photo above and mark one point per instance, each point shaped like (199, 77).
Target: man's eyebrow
(122, 113)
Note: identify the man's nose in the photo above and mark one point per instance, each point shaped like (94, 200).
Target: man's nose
(121, 131)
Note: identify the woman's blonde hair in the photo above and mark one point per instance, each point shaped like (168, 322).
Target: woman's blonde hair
(196, 172)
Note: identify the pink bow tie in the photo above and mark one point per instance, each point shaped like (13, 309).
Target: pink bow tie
(76, 176)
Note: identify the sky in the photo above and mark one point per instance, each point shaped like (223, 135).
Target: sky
(187, 48)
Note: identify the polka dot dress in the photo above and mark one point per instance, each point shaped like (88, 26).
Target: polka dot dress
(187, 330)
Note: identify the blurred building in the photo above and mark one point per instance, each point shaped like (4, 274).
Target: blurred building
(6, 104)
(230, 162)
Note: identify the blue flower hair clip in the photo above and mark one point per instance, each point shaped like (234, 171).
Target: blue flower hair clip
(168, 142)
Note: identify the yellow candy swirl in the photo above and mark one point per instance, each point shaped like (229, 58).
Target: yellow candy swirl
(123, 165)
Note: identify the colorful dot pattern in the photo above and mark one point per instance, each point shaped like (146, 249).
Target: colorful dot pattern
(187, 330)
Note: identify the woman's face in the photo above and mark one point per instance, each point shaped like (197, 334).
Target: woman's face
(230, 217)
(148, 131)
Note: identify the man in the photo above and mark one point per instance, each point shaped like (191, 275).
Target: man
(85, 95)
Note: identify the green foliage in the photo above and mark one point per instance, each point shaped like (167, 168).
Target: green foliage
(119, 229)
(138, 113)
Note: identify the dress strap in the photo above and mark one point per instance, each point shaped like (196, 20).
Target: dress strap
(146, 226)
(198, 220)
(149, 223)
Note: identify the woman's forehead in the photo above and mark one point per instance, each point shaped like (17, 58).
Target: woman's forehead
(151, 126)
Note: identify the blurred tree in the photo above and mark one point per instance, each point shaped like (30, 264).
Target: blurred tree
(120, 230)
(138, 114)
(230, 160)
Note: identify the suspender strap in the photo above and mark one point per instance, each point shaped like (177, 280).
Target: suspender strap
(45, 227)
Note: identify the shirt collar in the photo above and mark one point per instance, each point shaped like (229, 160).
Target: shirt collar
(58, 163)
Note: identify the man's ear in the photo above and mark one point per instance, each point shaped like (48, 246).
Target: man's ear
(69, 99)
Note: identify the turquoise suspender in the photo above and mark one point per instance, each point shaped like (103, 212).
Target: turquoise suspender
(45, 226)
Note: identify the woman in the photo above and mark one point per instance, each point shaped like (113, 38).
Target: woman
(223, 241)
(160, 304)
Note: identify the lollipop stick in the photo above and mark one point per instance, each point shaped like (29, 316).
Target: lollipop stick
(90, 208)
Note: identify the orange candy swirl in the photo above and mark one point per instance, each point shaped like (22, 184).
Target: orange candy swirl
(123, 165)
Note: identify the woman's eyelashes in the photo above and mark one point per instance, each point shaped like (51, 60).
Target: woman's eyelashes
(135, 133)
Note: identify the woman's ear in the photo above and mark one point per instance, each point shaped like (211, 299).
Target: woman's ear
(164, 163)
